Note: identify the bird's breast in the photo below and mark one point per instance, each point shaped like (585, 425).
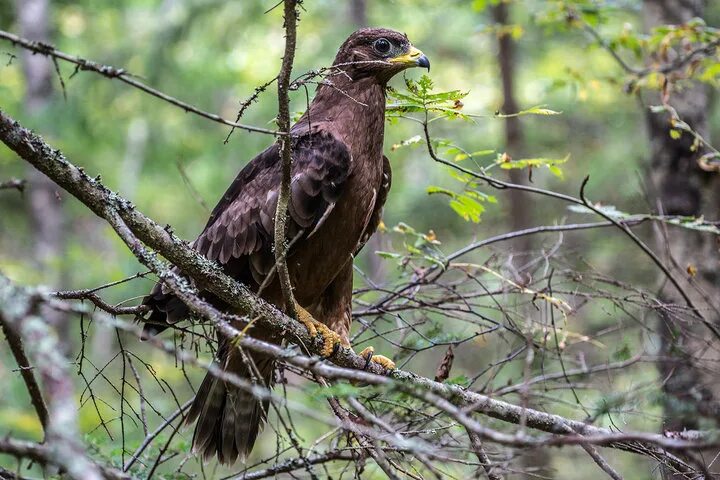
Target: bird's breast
(318, 260)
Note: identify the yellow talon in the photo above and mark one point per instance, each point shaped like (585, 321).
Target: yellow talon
(379, 359)
(330, 338)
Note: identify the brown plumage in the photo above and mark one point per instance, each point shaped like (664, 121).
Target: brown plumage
(340, 180)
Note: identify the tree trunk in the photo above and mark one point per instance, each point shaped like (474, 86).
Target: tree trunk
(689, 367)
(44, 200)
(358, 13)
(514, 139)
(536, 463)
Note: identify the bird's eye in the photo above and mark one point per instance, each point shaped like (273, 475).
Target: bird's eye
(382, 46)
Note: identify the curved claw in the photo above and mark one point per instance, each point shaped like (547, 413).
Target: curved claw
(331, 340)
(369, 354)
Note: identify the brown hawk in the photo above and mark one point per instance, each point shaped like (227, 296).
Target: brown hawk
(340, 180)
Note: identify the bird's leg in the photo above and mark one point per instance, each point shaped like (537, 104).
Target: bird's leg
(369, 354)
(331, 340)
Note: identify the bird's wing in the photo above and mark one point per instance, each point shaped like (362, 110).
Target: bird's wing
(380, 199)
(242, 223)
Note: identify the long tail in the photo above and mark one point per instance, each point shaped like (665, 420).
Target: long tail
(229, 418)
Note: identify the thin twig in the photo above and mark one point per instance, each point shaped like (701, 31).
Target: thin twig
(111, 72)
(16, 184)
(286, 144)
(26, 371)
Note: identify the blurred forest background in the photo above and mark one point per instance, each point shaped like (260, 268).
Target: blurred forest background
(508, 57)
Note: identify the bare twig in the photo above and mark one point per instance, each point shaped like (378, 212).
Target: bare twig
(286, 144)
(149, 438)
(500, 184)
(26, 370)
(482, 456)
(111, 72)
(298, 463)
(44, 455)
(16, 184)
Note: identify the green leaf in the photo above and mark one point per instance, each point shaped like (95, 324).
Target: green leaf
(622, 352)
(387, 254)
(557, 171)
(468, 208)
(404, 228)
(536, 110)
(461, 380)
(550, 163)
(539, 110)
(432, 189)
(337, 390)
(462, 155)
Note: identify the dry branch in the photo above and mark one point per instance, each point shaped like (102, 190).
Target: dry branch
(15, 184)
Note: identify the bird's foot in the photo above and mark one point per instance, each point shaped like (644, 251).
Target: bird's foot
(369, 354)
(331, 340)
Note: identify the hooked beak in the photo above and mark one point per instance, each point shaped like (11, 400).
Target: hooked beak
(413, 58)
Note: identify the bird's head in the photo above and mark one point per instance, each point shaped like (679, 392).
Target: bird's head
(378, 52)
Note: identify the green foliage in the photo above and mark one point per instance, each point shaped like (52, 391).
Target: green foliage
(622, 352)
(536, 110)
(419, 97)
(418, 246)
(468, 204)
(507, 163)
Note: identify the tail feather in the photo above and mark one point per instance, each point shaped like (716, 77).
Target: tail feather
(229, 419)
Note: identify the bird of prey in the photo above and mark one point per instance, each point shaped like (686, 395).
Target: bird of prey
(339, 182)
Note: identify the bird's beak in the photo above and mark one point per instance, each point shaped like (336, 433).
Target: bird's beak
(413, 58)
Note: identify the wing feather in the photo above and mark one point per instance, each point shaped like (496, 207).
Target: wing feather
(380, 199)
(242, 223)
